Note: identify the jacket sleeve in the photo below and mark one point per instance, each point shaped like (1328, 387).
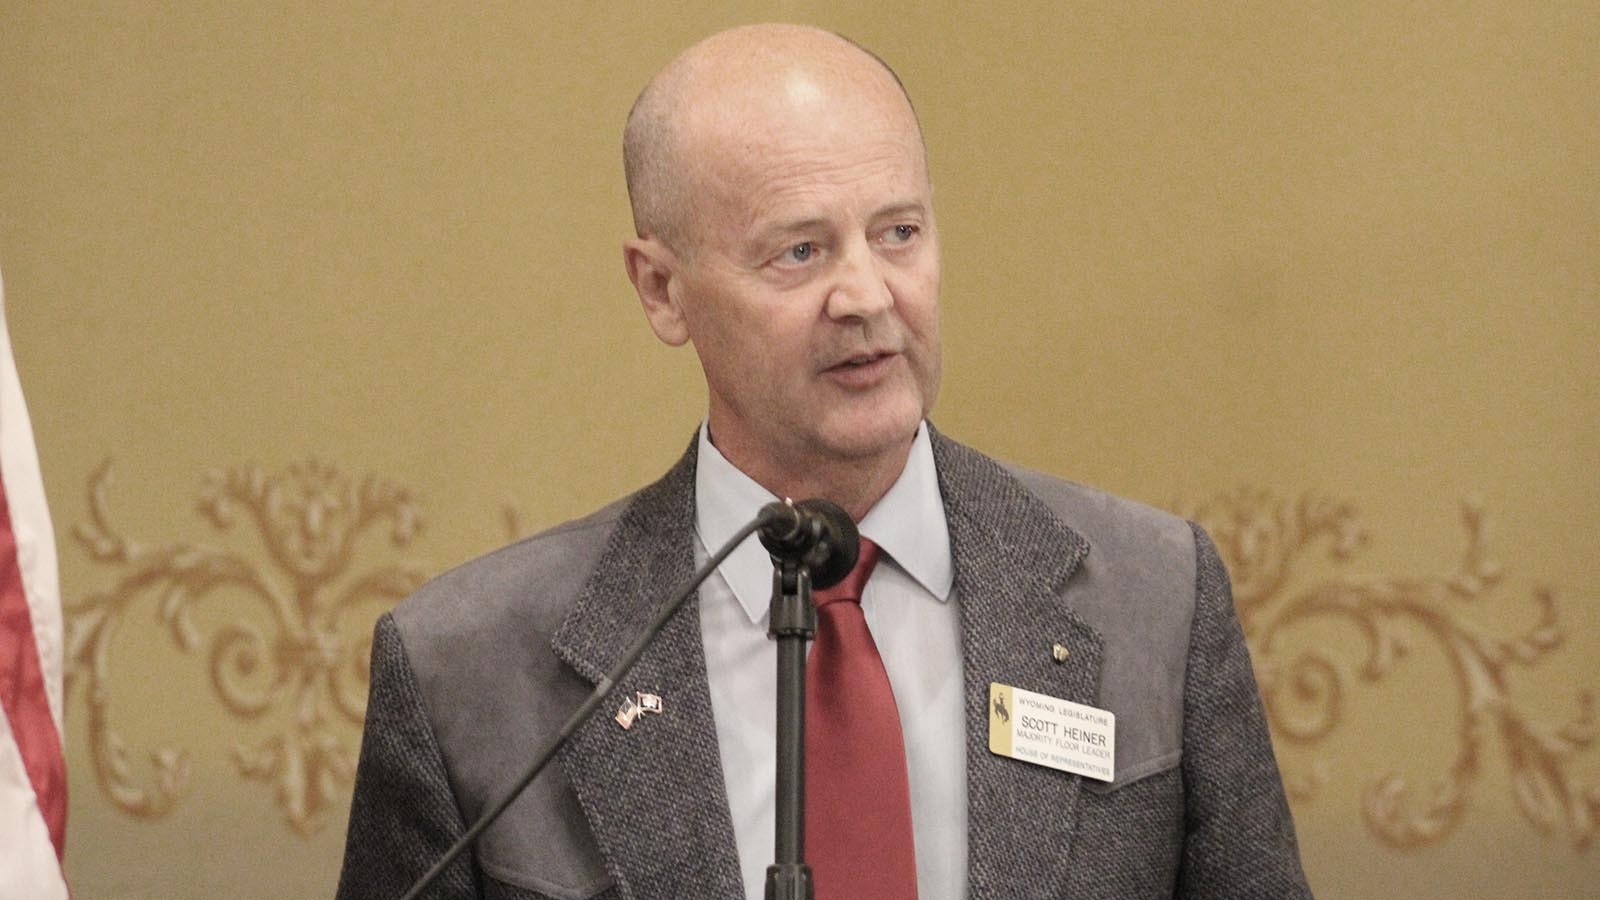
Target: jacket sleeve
(1239, 837)
(403, 815)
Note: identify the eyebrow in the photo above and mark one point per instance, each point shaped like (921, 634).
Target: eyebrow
(773, 232)
(902, 208)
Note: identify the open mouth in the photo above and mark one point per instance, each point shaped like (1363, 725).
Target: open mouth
(862, 371)
(866, 359)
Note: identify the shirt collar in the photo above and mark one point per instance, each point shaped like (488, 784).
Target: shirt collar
(908, 523)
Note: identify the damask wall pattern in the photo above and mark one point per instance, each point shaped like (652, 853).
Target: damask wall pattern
(291, 538)
(1311, 691)
(309, 672)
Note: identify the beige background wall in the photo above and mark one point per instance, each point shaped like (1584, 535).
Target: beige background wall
(1313, 272)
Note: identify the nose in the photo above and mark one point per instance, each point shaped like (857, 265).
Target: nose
(860, 288)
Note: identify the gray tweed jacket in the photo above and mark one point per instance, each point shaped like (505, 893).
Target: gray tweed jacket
(472, 674)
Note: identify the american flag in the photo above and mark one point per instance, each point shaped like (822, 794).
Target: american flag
(33, 770)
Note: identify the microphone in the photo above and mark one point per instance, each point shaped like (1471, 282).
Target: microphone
(814, 533)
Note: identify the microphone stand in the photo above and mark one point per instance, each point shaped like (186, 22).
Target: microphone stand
(792, 621)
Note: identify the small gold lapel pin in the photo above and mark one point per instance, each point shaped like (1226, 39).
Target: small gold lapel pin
(636, 706)
(1059, 653)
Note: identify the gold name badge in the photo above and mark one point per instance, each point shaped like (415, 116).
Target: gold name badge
(1052, 732)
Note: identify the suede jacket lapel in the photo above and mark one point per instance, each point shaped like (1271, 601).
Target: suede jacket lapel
(1013, 557)
(653, 793)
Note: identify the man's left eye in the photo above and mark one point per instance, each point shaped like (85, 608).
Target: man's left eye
(899, 234)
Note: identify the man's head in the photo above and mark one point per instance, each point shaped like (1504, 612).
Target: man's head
(785, 228)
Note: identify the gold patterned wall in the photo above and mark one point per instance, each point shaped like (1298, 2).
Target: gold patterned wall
(315, 300)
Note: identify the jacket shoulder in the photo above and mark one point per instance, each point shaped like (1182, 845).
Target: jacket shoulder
(528, 586)
(1111, 523)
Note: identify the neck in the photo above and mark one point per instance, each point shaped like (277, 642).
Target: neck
(855, 484)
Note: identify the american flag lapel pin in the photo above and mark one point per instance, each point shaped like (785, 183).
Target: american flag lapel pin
(628, 713)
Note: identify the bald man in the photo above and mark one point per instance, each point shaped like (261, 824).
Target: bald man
(785, 230)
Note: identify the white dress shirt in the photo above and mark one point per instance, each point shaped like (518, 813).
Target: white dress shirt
(915, 623)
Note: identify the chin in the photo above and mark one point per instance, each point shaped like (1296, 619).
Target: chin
(874, 433)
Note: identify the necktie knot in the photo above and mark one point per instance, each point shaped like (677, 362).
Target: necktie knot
(853, 584)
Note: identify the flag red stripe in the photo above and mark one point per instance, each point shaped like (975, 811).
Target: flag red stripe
(22, 688)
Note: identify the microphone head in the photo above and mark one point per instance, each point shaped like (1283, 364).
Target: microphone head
(816, 534)
(838, 544)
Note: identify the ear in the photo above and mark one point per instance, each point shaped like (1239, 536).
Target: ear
(651, 267)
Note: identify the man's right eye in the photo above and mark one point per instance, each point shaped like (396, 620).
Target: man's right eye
(800, 253)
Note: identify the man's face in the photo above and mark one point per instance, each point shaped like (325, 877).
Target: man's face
(810, 288)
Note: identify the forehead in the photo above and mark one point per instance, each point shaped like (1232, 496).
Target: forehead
(758, 156)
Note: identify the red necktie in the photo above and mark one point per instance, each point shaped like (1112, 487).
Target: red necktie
(858, 799)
